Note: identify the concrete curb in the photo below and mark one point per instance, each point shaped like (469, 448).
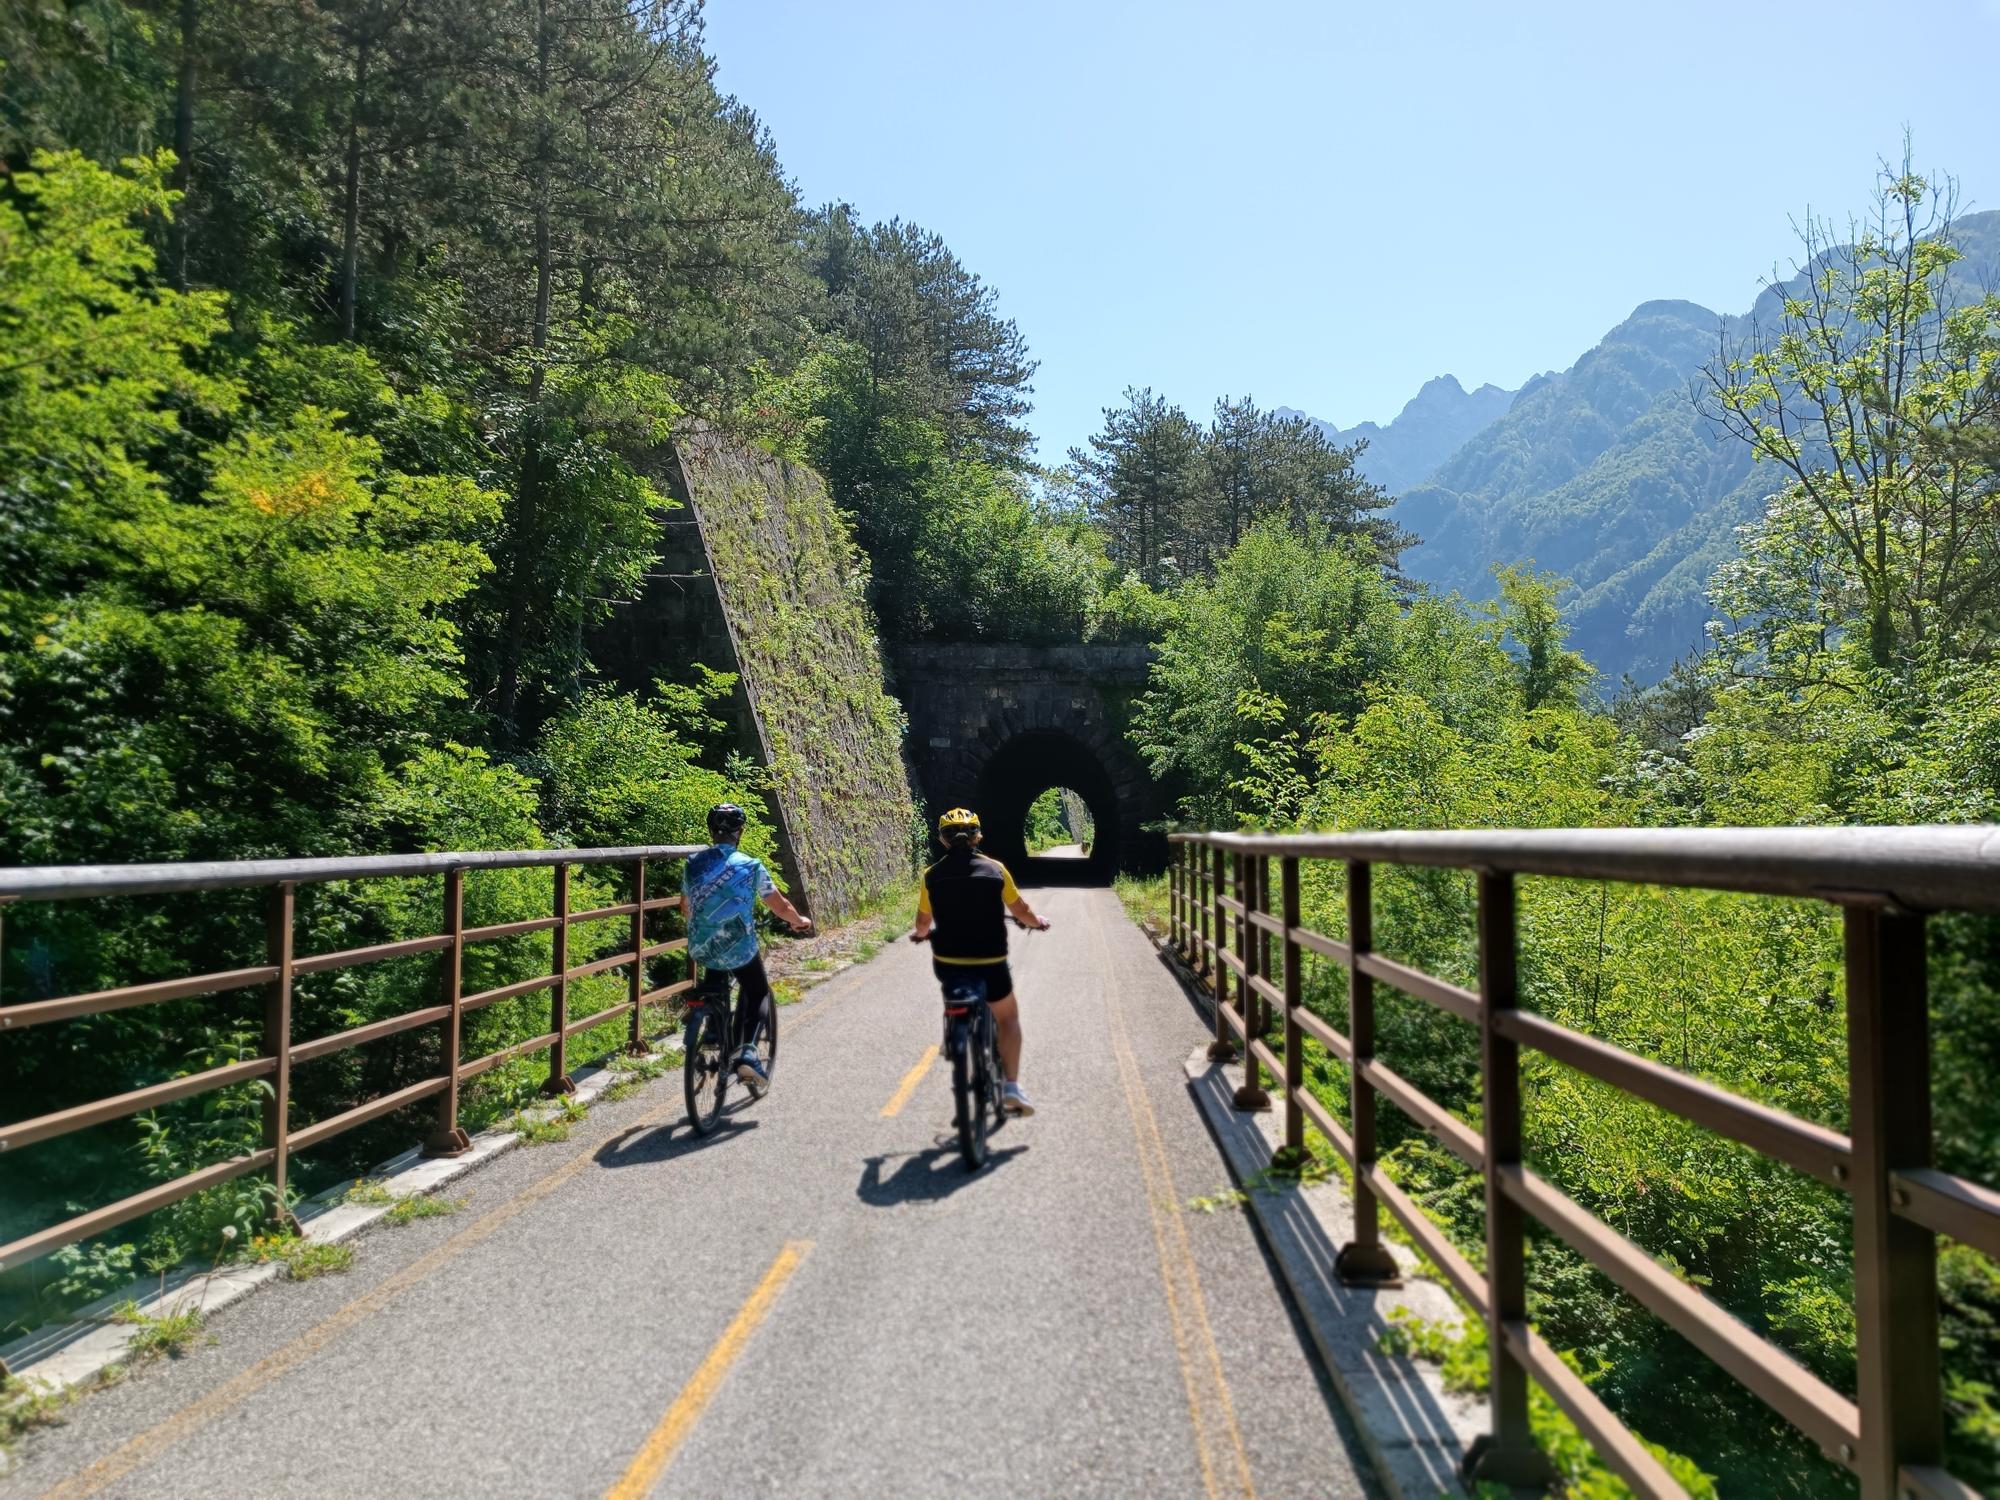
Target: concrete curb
(72, 1354)
(1416, 1432)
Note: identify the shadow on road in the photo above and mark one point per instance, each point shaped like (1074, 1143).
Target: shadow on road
(642, 1145)
(925, 1176)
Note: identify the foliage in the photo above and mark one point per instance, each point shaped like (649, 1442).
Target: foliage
(303, 1259)
(1863, 395)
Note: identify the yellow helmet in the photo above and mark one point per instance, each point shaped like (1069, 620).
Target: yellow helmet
(958, 820)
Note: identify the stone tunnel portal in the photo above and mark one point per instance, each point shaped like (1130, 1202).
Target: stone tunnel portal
(993, 726)
(1020, 771)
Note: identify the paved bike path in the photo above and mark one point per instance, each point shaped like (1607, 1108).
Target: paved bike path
(818, 1301)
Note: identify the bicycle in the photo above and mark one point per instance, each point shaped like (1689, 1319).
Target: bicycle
(708, 1060)
(978, 1079)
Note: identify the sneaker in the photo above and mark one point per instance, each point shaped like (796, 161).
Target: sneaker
(750, 1068)
(1014, 1102)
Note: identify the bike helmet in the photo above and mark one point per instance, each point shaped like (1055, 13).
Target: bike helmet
(960, 820)
(725, 822)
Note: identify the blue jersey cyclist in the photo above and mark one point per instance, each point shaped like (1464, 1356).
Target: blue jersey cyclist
(719, 894)
(962, 908)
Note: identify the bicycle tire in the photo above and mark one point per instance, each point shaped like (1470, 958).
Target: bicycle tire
(971, 1108)
(767, 1034)
(704, 1078)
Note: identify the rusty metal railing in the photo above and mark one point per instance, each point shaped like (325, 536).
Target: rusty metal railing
(282, 966)
(1225, 924)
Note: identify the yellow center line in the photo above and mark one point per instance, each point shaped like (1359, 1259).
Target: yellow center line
(1218, 1439)
(148, 1445)
(909, 1084)
(138, 1451)
(665, 1440)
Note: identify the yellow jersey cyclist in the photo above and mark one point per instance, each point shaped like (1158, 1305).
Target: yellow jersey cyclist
(962, 909)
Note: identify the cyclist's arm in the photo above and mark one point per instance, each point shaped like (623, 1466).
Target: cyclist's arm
(1025, 914)
(924, 920)
(787, 913)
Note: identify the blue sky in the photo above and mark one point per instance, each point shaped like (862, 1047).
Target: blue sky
(1324, 205)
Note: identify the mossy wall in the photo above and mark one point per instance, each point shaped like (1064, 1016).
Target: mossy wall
(768, 584)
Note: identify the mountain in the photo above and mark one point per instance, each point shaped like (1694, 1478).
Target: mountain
(1438, 421)
(1608, 474)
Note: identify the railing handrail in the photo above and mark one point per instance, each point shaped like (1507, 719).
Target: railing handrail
(62, 882)
(1226, 920)
(282, 965)
(1924, 867)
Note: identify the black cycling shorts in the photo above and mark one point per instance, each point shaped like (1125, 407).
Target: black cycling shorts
(998, 978)
(752, 985)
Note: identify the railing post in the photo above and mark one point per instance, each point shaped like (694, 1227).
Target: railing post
(1294, 1152)
(1507, 1454)
(1174, 902)
(559, 1081)
(636, 1043)
(1895, 1259)
(1252, 873)
(448, 1139)
(1203, 899)
(1363, 1260)
(278, 941)
(1221, 1049)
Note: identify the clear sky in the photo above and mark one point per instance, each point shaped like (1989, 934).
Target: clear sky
(1323, 205)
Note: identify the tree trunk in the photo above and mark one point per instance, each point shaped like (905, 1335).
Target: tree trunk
(350, 208)
(184, 138)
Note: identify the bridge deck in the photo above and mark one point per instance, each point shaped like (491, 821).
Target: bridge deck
(1059, 1324)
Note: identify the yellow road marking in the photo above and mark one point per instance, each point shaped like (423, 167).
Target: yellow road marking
(141, 1450)
(909, 1084)
(1218, 1440)
(665, 1440)
(189, 1419)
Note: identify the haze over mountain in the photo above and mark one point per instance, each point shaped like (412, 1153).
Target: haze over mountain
(1434, 424)
(1605, 473)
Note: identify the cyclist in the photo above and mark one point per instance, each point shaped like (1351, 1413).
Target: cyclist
(719, 895)
(962, 908)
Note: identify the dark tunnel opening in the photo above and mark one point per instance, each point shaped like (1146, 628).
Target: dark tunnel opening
(1019, 772)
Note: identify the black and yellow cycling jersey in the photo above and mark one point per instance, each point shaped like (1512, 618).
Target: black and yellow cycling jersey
(966, 894)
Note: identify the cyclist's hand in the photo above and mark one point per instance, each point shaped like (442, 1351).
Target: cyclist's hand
(919, 937)
(1043, 925)
(801, 927)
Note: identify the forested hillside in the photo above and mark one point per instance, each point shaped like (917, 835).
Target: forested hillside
(1608, 474)
(1852, 676)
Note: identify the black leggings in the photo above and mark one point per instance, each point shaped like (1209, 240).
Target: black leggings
(752, 985)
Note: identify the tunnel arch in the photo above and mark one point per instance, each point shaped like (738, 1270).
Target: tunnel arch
(992, 725)
(1022, 769)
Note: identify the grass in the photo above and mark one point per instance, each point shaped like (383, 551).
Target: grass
(1145, 899)
(303, 1259)
(170, 1334)
(369, 1192)
(541, 1130)
(26, 1405)
(422, 1206)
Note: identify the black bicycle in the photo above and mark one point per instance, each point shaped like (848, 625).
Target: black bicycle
(709, 1059)
(972, 1043)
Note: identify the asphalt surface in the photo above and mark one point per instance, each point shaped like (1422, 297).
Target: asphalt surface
(818, 1301)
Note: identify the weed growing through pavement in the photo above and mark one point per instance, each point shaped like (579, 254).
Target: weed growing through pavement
(539, 1130)
(368, 1192)
(302, 1258)
(1212, 1202)
(170, 1333)
(422, 1206)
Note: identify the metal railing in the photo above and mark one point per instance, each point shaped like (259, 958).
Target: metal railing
(1225, 923)
(282, 966)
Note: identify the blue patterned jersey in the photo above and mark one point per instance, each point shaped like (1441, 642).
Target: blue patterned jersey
(723, 887)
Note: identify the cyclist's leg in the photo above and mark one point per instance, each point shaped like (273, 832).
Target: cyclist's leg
(1006, 1020)
(752, 985)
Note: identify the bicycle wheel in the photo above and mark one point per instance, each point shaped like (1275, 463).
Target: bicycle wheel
(966, 1094)
(767, 1034)
(704, 1079)
(996, 1077)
